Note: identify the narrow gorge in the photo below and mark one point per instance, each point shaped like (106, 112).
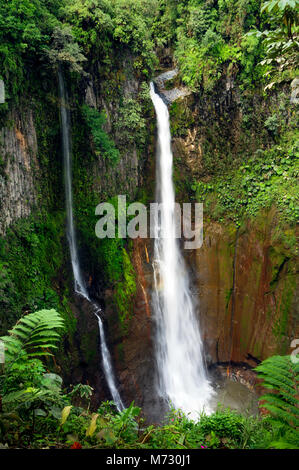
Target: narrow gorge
(79, 286)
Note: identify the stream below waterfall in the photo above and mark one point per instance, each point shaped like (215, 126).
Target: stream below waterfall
(235, 396)
(228, 394)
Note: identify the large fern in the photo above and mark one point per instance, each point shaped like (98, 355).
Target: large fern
(280, 375)
(34, 334)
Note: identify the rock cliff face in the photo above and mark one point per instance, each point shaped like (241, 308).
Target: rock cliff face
(133, 349)
(30, 150)
(247, 289)
(19, 174)
(126, 177)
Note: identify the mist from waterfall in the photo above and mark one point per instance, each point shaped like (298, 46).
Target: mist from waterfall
(79, 284)
(179, 353)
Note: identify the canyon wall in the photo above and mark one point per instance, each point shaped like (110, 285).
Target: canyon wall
(19, 174)
(243, 277)
(248, 291)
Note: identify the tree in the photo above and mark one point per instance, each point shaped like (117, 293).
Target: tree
(64, 50)
(281, 41)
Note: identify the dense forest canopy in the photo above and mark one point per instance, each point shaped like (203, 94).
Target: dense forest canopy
(205, 35)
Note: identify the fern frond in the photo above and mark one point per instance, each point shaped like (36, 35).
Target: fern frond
(288, 399)
(281, 403)
(282, 415)
(21, 396)
(33, 334)
(277, 371)
(280, 375)
(277, 384)
(283, 445)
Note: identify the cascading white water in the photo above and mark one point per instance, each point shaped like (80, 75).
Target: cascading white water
(80, 288)
(182, 375)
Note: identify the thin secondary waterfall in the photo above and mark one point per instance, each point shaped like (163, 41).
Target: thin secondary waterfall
(182, 375)
(80, 288)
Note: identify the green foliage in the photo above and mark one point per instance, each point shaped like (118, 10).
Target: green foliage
(31, 255)
(120, 273)
(45, 400)
(125, 290)
(25, 387)
(99, 24)
(110, 429)
(36, 34)
(82, 391)
(281, 376)
(286, 9)
(103, 144)
(104, 429)
(81, 395)
(33, 335)
(111, 256)
(209, 42)
(163, 29)
(25, 36)
(272, 124)
(181, 118)
(214, 38)
(133, 26)
(280, 40)
(64, 50)
(223, 424)
(267, 178)
(131, 124)
(251, 70)
(35, 396)
(22, 374)
(92, 22)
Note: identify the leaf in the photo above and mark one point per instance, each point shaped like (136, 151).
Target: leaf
(21, 396)
(270, 85)
(53, 379)
(103, 422)
(40, 412)
(108, 435)
(283, 445)
(279, 375)
(65, 414)
(33, 333)
(55, 411)
(93, 424)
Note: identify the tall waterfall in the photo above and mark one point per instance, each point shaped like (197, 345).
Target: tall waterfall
(80, 287)
(182, 375)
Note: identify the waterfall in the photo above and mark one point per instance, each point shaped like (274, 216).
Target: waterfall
(80, 287)
(182, 376)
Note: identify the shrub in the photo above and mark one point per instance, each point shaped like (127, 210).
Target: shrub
(102, 143)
